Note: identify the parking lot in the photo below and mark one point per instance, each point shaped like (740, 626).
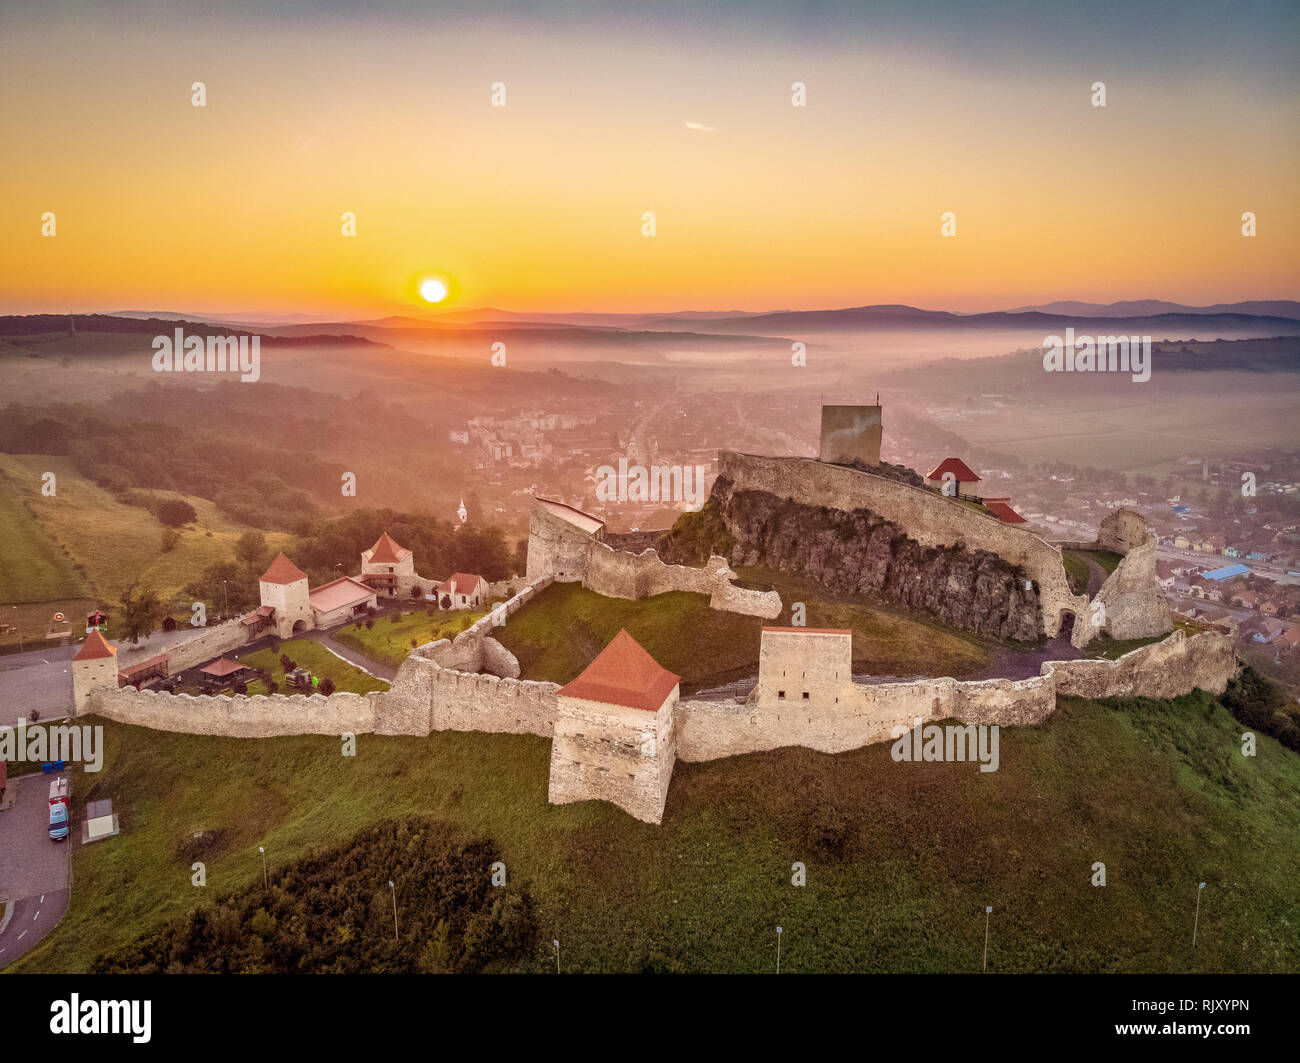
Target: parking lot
(33, 869)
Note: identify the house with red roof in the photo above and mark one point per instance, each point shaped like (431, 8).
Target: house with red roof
(461, 591)
(389, 568)
(614, 732)
(965, 482)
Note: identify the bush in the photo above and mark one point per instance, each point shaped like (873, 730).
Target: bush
(326, 686)
(1258, 704)
(370, 624)
(176, 512)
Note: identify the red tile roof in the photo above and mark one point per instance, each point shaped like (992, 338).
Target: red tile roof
(283, 570)
(340, 592)
(957, 467)
(624, 674)
(812, 630)
(225, 666)
(465, 584)
(386, 550)
(1003, 512)
(95, 647)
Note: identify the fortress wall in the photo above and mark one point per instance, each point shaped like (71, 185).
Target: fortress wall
(206, 644)
(468, 701)
(926, 517)
(732, 599)
(261, 716)
(1176, 666)
(1005, 702)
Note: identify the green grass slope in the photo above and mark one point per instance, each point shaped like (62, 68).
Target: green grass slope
(556, 635)
(901, 858)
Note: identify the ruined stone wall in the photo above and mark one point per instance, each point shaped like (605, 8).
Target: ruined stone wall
(1135, 604)
(927, 518)
(709, 730)
(559, 550)
(1167, 669)
(1122, 531)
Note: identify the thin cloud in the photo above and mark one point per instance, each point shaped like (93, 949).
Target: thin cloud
(700, 127)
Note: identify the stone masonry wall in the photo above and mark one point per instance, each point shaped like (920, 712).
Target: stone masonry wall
(710, 730)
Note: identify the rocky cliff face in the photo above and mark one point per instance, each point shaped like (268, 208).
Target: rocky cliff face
(859, 552)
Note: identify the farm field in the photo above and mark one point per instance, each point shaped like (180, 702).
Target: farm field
(118, 545)
(901, 857)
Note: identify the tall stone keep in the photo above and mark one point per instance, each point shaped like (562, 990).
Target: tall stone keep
(850, 433)
(93, 668)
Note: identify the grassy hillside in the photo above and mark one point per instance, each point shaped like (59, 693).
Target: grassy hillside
(389, 640)
(901, 858)
(33, 567)
(115, 544)
(557, 634)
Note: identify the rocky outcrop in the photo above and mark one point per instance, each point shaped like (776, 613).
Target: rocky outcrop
(859, 552)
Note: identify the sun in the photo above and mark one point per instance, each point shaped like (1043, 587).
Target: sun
(433, 290)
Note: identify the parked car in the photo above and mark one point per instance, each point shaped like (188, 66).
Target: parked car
(59, 808)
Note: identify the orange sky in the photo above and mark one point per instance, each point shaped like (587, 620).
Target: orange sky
(538, 205)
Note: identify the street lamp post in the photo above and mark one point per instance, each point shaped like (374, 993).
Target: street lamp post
(779, 931)
(394, 889)
(265, 885)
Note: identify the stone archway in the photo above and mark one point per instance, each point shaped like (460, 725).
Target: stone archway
(299, 626)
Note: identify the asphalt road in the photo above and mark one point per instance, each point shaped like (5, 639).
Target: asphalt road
(33, 869)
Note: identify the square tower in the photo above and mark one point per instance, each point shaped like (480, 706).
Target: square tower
(283, 587)
(850, 433)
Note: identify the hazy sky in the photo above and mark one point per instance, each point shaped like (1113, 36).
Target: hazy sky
(912, 110)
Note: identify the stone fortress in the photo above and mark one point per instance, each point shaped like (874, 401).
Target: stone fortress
(618, 728)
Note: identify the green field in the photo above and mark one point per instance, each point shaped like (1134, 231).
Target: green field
(317, 660)
(389, 643)
(558, 633)
(114, 544)
(901, 857)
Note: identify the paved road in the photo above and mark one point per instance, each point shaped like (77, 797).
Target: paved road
(34, 870)
(41, 680)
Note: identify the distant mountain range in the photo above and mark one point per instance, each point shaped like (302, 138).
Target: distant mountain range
(1148, 315)
(1288, 308)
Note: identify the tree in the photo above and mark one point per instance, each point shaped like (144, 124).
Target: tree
(176, 512)
(251, 548)
(141, 614)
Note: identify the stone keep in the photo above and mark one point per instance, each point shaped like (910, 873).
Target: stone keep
(850, 433)
(614, 732)
(283, 587)
(94, 669)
